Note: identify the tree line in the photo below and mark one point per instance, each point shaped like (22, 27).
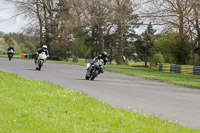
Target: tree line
(85, 28)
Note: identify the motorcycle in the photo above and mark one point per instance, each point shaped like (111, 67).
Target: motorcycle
(94, 69)
(10, 54)
(40, 60)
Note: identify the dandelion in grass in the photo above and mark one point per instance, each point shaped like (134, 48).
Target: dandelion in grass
(146, 116)
(170, 121)
(54, 115)
(14, 120)
(135, 111)
(8, 121)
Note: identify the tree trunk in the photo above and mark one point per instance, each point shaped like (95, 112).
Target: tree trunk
(111, 51)
(181, 23)
(145, 63)
(197, 29)
(121, 45)
(101, 40)
(47, 39)
(40, 23)
(145, 57)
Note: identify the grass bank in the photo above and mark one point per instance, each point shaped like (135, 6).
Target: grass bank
(32, 106)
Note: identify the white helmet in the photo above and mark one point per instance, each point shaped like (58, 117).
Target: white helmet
(44, 47)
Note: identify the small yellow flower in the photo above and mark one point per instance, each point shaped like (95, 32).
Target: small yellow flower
(102, 102)
(170, 121)
(54, 115)
(8, 121)
(14, 120)
(135, 111)
(146, 116)
(54, 124)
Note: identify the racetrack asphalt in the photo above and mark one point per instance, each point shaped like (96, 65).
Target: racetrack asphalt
(169, 102)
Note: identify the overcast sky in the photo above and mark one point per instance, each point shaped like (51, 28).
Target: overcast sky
(14, 25)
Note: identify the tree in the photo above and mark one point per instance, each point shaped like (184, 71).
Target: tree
(79, 49)
(9, 40)
(164, 44)
(144, 44)
(158, 58)
(124, 19)
(60, 22)
(194, 28)
(168, 45)
(173, 14)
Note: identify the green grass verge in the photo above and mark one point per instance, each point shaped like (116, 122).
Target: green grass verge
(71, 63)
(191, 81)
(32, 106)
(15, 57)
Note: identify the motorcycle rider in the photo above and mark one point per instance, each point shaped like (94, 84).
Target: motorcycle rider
(40, 50)
(103, 56)
(10, 54)
(11, 48)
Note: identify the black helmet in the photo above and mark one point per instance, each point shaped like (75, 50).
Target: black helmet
(104, 54)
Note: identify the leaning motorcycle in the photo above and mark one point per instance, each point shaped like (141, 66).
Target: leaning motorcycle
(10, 54)
(40, 60)
(94, 69)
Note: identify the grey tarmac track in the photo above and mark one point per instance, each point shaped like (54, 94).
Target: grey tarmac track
(169, 102)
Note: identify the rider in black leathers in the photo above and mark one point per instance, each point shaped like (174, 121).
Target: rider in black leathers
(102, 56)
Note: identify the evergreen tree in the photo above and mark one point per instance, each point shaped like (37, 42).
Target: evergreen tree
(144, 44)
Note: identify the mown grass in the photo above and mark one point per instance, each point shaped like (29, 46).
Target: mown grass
(15, 56)
(191, 81)
(32, 106)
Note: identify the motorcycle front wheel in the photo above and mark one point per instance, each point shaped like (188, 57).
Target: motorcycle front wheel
(40, 65)
(93, 75)
(86, 77)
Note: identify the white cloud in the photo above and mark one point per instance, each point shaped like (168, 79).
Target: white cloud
(9, 25)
